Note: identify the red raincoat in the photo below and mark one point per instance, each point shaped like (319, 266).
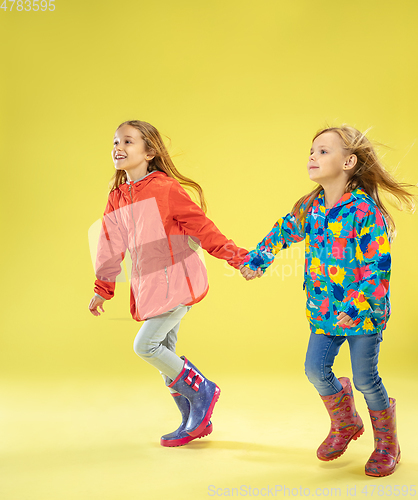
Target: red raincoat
(156, 220)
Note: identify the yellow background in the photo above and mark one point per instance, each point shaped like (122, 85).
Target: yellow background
(239, 88)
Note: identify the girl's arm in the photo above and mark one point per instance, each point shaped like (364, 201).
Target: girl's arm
(192, 218)
(110, 253)
(373, 273)
(286, 230)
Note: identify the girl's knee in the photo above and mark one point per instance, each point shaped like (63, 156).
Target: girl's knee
(143, 348)
(366, 385)
(314, 373)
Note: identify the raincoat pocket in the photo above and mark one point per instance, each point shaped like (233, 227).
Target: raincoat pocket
(317, 302)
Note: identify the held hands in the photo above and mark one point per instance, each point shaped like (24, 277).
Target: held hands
(345, 320)
(95, 303)
(249, 274)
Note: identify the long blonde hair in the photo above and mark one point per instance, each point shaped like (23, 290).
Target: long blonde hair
(161, 161)
(369, 174)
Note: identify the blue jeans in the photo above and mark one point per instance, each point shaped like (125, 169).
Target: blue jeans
(364, 353)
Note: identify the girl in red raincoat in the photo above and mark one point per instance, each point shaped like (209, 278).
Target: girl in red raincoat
(150, 214)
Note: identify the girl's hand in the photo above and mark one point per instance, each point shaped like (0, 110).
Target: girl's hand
(345, 319)
(96, 302)
(249, 274)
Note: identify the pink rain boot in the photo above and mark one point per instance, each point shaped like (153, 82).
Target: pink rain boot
(387, 453)
(346, 424)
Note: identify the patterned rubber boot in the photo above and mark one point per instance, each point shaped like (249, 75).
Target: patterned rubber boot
(387, 452)
(346, 423)
(180, 437)
(201, 393)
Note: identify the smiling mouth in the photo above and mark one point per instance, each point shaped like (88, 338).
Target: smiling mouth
(120, 157)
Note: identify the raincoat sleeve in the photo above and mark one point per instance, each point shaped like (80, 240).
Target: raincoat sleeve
(374, 265)
(195, 222)
(111, 251)
(286, 230)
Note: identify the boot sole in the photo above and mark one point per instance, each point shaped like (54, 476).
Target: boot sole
(387, 473)
(354, 438)
(181, 442)
(195, 433)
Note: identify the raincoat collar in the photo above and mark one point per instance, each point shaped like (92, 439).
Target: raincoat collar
(346, 198)
(141, 183)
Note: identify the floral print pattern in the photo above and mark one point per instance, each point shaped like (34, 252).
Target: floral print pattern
(347, 262)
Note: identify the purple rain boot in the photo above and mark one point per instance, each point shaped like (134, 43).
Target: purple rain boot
(180, 436)
(201, 393)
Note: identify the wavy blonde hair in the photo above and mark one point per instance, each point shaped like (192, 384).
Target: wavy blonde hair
(161, 161)
(369, 174)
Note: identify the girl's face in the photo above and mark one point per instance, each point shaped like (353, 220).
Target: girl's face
(129, 150)
(328, 162)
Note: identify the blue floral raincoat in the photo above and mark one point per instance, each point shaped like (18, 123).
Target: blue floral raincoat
(347, 262)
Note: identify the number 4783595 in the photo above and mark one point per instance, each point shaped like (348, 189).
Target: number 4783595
(27, 5)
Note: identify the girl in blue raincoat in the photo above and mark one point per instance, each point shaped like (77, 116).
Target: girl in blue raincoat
(347, 232)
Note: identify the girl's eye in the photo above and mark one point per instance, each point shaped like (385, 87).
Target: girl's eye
(323, 151)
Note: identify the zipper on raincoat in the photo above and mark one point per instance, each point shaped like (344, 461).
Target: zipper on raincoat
(168, 284)
(136, 251)
(330, 320)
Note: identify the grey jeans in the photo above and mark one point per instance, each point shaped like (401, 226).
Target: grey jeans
(156, 341)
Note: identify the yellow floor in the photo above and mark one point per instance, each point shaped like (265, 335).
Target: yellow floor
(89, 440)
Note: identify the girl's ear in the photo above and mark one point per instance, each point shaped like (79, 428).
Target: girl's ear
(150, 155)
(350, 162)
